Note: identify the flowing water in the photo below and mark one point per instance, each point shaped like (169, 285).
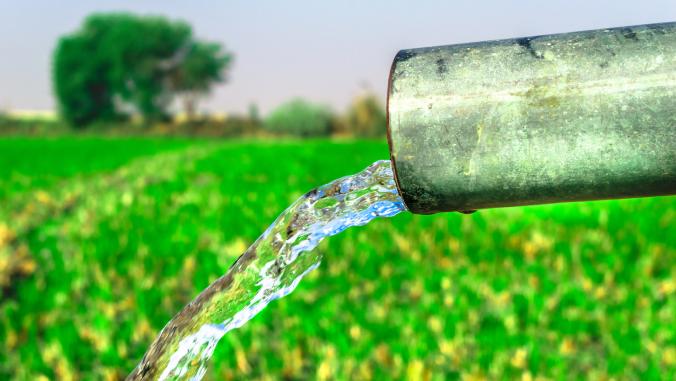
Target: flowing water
(270, 269)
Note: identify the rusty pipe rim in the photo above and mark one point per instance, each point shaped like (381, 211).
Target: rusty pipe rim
(390, 142)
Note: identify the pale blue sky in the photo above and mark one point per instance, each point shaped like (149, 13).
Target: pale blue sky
(322, 50)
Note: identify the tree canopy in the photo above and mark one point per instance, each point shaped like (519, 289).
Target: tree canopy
(118, 64)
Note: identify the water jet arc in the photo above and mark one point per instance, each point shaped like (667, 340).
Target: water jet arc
(566, 117)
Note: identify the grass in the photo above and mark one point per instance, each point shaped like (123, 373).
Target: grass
(29, 163)
(102, 241)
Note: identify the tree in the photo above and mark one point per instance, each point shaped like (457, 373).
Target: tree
(366, 117)
(201, 66)
(119, 63)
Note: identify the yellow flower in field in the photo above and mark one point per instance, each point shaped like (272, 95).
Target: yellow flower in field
(567, 347)
(600, 292)
(143, 330)
(51, 352)
(669, 356)
(324, 371)
(473, 318)
(386, 270)
(110, 374)
(6, 235)
(537, 243)
(453, 245)
(435, 325)
(189, 265)
(526, 376)
(651, 346)
(667, 287)
(447, 347)
(11, 340)
(382, 354)
(355, 332)
(43, 197)
(445, 283)
(415, 370)
(502, 299)
(379, 312)
(529, 250)
(127, 198)
(444, 263)
(511, 323)
(242, 363)
(417, 289)
(587, 284)
(27, 266)
(122, 350)
(519, 358)
(330, 352)
(560, 264)
(474, 376)
(534, 281)
(402, 242)
(236, 247)
(364, 371)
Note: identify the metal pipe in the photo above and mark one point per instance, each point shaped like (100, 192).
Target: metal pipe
(565, 117)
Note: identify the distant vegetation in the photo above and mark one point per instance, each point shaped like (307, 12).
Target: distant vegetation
(12, 125)
(300, 118)
(119, 64)
(108, 80)
(119, 73)
(366, 117)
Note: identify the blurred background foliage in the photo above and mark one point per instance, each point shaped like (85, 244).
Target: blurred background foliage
(366, 117)
(108, 80)
(122, 63)
(119, 211)
(300, 118)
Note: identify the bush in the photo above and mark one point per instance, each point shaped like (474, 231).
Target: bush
(300, 118)
(366, 117)
(233, 126)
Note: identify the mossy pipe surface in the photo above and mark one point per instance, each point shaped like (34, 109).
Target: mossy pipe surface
(566, 117)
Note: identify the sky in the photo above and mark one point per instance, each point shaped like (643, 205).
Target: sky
(325, 51)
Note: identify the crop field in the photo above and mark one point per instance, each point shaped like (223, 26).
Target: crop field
(103, 240)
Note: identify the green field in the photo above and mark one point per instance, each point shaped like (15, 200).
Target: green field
(103, 240)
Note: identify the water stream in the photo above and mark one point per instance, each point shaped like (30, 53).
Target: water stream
(270, 269)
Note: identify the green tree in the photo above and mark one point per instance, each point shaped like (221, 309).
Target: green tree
(202, 65)
(119, 63)
(300, 118)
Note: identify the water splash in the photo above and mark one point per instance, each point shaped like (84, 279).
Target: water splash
(270, 269)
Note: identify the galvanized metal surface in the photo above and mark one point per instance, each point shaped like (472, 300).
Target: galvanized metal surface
(578, 116)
